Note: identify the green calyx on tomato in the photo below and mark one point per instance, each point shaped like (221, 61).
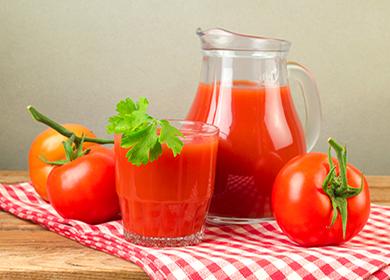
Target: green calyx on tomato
(336, 186)
(72, 151)
(73, 146)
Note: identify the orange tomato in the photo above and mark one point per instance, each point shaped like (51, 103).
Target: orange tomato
(49, 145)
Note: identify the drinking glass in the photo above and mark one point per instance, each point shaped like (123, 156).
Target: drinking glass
(165, 202)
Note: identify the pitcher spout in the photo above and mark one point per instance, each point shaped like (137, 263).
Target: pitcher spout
(222, 39)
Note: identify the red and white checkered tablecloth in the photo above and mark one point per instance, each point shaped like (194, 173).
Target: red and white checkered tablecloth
(258, 251)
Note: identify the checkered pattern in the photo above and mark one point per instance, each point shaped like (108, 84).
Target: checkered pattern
(229, 252)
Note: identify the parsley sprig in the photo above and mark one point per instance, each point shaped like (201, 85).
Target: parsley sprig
(142, 134)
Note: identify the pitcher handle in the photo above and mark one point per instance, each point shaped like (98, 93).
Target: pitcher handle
(313, 116)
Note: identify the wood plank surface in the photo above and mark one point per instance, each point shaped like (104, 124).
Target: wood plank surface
(27, 251)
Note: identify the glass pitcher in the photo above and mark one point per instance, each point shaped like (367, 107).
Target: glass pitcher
(244, 90)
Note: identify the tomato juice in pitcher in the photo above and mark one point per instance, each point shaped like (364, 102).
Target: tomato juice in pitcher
(244, 91)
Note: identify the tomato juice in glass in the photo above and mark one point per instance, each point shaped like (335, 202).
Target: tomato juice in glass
(259, 133)
(165, 202)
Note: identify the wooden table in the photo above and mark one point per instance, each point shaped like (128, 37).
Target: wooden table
(27, 251)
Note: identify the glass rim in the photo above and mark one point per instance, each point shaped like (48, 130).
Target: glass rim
(197, 127)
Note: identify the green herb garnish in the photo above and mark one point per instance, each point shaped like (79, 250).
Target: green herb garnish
(142, 134)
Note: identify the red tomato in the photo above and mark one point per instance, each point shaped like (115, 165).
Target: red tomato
(304, 211)
(84, 189)
(48, 144)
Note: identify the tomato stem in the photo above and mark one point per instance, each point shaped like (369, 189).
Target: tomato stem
(336, 186)
(62, 130)
(341, 153)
